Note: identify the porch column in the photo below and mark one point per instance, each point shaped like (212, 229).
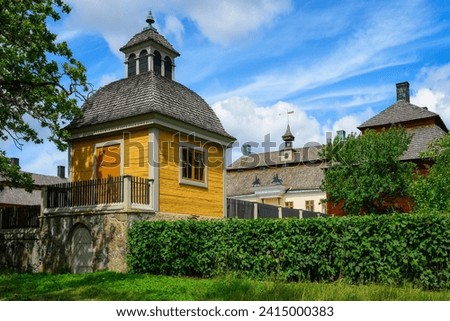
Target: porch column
(127, 193)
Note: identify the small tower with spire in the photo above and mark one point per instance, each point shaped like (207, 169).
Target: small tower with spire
(147, 51)
(287, 151)
(288, 138)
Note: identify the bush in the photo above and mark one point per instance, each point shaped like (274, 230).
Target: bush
(392, 249)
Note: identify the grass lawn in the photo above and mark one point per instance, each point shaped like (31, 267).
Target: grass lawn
(106, 286)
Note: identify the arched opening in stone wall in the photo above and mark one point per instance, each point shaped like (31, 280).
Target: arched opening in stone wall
(82, 250)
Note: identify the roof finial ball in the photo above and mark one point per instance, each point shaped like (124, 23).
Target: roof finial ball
(150, 20)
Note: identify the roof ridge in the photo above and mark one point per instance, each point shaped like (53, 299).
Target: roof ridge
(393, 114)
(153, 34)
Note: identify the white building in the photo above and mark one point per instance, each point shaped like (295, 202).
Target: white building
(290, 177)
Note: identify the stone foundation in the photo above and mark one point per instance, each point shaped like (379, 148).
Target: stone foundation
(53, 248)
(19, 250)
(109, 240)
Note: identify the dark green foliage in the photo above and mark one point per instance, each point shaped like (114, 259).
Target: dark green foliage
(394, 249)
(366, 174)
(40, 80)
(432, 192)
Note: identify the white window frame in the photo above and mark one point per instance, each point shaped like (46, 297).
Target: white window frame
(193, 182)
(106, 144)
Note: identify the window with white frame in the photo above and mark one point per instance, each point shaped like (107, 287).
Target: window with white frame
(192, 165)
(309, 205)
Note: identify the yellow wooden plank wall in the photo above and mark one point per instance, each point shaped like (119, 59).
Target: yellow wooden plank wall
(135, 154)
(186, 199)
(174, 197)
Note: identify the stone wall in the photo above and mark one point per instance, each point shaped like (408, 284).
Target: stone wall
(109, 238)
(20, 250)
(51, 248)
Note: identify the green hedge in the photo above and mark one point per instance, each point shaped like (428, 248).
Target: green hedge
(390, 249)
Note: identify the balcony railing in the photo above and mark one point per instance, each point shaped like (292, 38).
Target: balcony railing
(112, 193)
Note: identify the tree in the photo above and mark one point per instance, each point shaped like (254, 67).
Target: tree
(432, 192)
(39, 78)
(365, 173)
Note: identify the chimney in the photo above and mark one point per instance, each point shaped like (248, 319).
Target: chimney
(61, 171)
(341, 134)
(329, 138)
(14, 161)
(403, 91)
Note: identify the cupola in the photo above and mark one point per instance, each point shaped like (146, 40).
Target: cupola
(287, 151)
(148, 50)
(288, 138)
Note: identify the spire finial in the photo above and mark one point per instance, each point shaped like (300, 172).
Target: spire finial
(150, 20)
(288, 135)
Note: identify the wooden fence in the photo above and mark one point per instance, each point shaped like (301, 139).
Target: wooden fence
(85, 193)
(106, 191)
(251, 210)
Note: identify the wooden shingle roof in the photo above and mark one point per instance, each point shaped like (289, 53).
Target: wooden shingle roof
(18, 196)
(303, 172)
(148, 93)
(421, 139)
(257, 160)
(400, 112)
(300, 177)
(149, 35)
(424, 125)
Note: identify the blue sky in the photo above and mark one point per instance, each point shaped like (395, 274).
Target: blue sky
(334, 63)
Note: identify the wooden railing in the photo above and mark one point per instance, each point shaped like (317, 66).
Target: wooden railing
(140, 191)
(19, 217)
(122, 191)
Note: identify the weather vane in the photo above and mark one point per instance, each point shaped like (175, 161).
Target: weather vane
(287, 113)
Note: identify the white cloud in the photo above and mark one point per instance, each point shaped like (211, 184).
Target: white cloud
(433, 91)
(107, 79)
(37, 158)
(220, 21)
(348, 123)
(251, 123)
(175, 27)
(45, 159)
(225, 21)
(116, 20)
(376, 44)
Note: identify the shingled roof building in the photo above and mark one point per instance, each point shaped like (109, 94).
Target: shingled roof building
(290, 177)
(424, 125)
(120, 120)
(13, 197)
(144, 147)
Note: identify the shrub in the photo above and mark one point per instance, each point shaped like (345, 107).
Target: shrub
(392, 249)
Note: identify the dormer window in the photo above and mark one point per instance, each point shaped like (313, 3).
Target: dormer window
(143, 61)
(168, 67)
(132, 65)
(157, 62)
